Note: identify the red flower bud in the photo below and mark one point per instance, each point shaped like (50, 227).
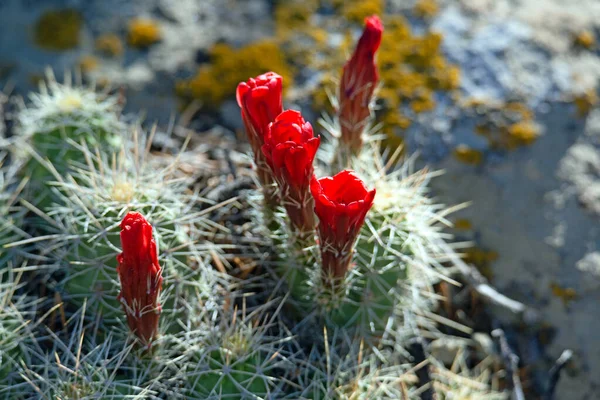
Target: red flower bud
(290, 148)
(260, 99)
(140, 276)
(359, 80)
(341, 203)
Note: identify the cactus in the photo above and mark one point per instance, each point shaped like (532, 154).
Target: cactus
(90, 206)
(11, 214)
(16, 314)
(305, 287)
(242, 356)
(58, 115)
(341, 369)
(87, 364)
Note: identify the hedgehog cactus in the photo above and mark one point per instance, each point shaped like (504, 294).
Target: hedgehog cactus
(58, 116)
(242, 356)
(88, 212)
(313, 292)
(140, 276)
(16, 312)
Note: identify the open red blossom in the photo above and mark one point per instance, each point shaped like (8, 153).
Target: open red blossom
(260, 99)
(290, 148)
(341, 203)
(359, 80)
(140, 276)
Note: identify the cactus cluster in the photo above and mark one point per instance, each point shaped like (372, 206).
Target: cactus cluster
(122, 279)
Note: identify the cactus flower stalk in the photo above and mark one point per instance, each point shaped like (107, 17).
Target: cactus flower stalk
(260, 100)
(341, 203)
(290, 148)
(140, 276)
(359, 80)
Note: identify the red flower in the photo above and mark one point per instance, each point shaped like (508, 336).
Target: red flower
(341, 203)
(140, 276)
(359, 79)
(260, 101)
(290, 148)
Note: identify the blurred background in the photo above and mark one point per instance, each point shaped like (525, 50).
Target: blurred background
(500, 94)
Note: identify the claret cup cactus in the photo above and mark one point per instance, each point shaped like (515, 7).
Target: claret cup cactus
(315, 291)
(140, 276)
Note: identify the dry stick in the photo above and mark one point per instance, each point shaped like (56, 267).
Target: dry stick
(564, 358)
(511, 361)
(482, 286)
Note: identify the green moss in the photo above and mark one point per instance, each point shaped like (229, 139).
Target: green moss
(58, 29)
(216, 82)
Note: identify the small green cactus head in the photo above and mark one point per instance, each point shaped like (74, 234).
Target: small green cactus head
(394, 263)
(92, 201)
(57, 116)
(343, 367)
(238, 358)
(398, 256)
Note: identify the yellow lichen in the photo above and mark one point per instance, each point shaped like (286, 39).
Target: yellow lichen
(215, 82)
(58, 30)
(482, 259)
(520, 109)
(585, 102)
(109, 44)
(320, 96)
(412, 68)
(142, 33)
(88, 63)
(463, 224)
(358, 10)
(394, 123)
(566, 294)
(426, 8)
(423, 102)
(292, 16)
(467, 155)
(522, 133)
(506, 126)
(585, 39)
